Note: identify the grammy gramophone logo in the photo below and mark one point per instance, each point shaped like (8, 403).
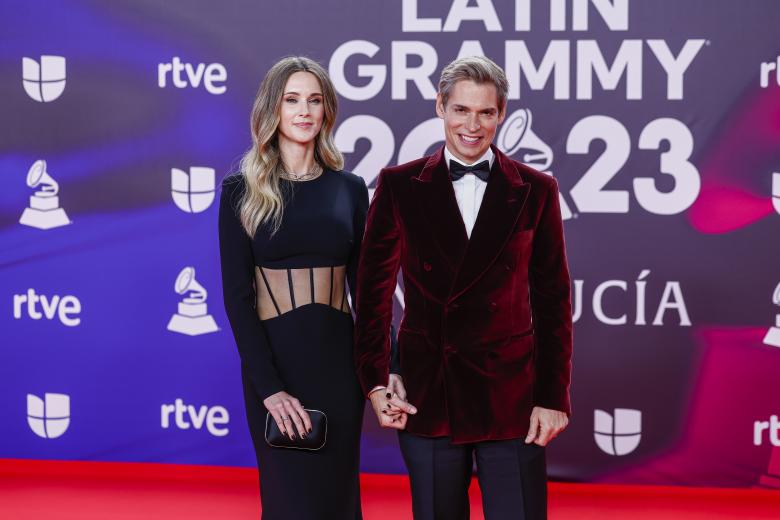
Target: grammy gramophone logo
(518, 140)
(44, 211)
(772, 337)
(192, 318)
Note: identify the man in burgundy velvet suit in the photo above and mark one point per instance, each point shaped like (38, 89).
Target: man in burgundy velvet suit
(486, 337)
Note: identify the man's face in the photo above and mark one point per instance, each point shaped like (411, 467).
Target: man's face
(471, 118)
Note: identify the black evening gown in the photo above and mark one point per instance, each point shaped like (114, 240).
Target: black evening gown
(286, 302)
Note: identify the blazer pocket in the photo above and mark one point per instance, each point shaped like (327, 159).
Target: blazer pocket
(523, 235)
(515, 348)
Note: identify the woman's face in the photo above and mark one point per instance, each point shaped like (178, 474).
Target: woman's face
(302, 109)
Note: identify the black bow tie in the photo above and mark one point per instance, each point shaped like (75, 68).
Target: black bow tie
(481, 170)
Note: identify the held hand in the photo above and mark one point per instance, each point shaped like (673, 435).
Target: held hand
(395, 387)
(546, 424)
(289, 414)
(392, 412)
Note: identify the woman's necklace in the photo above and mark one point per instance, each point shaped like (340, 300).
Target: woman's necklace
(307, 176)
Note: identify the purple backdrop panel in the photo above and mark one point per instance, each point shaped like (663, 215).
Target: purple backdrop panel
(660, 120)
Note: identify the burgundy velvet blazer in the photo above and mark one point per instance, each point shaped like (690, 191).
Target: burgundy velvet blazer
(486, 333)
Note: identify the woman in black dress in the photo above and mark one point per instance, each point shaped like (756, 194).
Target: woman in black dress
(290, 228)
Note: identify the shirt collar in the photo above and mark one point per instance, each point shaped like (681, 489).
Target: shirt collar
(488, 156)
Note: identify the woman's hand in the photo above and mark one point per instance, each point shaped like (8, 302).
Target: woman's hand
(288, 411)
(390, 405)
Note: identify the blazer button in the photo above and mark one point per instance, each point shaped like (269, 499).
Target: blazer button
(449, 350)
(427, 266)
(493, 306)
(509, 266)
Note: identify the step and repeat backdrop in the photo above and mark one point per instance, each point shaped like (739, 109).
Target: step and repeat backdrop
(660, 120)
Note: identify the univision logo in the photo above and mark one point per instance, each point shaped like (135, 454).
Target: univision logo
(618, 435)
(44, 81)
(48, 417)
(193, 192)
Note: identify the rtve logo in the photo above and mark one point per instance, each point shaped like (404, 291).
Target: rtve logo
(214, 417)
(772, 429)
(193, 192)
(213, 75)
(65, 308)
(48, 417)
(766, 68)
(618, 435)
(44, 81)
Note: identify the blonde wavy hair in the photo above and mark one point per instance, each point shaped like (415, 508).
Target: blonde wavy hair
(261, 166)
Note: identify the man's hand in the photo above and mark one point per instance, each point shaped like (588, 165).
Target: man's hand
(546, 424)
(395, 387)
(390, 410)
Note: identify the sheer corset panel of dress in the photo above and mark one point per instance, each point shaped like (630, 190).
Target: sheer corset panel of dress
(282, 290)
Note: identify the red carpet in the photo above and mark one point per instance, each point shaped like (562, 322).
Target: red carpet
(121, 491)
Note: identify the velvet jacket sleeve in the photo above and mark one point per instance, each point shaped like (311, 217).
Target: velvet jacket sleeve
(379, 264)
(359, 226)
(238, 276)
(395, 354)
(550, 287)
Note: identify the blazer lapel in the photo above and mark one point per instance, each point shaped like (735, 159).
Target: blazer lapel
(504, 199)
(436, 197)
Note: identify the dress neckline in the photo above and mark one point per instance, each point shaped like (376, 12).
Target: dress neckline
(324, 171)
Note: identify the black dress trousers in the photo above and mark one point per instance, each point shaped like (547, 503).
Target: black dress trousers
(512, 476)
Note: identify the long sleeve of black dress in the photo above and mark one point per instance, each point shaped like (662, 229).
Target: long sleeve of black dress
(238, 278)
(359, 224)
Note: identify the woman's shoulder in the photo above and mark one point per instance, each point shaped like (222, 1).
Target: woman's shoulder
(232, 180)
(233, 185)
(356, 182)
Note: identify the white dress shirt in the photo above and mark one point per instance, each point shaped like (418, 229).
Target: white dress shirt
(469, 189)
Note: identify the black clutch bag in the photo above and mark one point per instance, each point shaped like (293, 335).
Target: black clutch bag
(313, 441)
